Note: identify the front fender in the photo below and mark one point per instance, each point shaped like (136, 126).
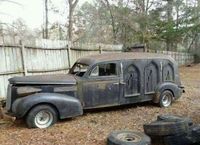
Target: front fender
(66, 106)
(174, 88)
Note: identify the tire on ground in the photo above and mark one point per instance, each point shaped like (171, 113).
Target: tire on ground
(157, 140)
(128, 138)
(191, 138)
(175, 118)
(31, 119)
(195, 133)
(177, 140)
(166, 98)
(161, 128)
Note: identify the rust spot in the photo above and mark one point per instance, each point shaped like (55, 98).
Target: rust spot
(156, 97)
(102, 86)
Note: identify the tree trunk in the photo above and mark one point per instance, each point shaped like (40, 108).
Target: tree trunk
(46, 20)
(169, 42)
(113, 22)
(60, 33)
(70, 25)
(72, 5)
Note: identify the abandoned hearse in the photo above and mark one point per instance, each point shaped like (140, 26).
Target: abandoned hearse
(94, 81)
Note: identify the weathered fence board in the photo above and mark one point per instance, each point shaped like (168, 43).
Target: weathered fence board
(182, 58)
(53, 57)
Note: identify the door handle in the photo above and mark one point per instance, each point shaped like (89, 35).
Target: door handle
(115, 83)
(122, 83)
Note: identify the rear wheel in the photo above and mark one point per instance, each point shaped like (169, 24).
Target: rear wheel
(166, 99)
(41, 116)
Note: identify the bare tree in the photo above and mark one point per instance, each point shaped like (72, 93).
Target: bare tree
(11, 1)
(170, 21)
(72, 5)
(112, 20)
(2, 23)
(46, 35)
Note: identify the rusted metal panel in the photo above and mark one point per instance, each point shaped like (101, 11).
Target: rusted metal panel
(44, 79)
(100, 92)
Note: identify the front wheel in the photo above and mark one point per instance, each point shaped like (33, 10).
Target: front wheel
(41, 116)
(166, 99)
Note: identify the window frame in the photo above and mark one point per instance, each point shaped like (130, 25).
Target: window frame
(102, 63)
(70, 71)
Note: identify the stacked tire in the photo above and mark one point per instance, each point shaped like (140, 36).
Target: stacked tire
(128, 138)
(173, 130)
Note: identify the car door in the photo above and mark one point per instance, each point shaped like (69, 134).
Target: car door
(101, 88)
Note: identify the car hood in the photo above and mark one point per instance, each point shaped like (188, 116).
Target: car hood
(44, 79)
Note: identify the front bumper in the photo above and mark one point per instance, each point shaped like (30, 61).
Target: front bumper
(179, 93)
(182, 88)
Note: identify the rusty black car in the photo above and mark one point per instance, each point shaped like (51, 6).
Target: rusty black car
(94, 82)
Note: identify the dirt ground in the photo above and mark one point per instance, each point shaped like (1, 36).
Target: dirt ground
(93, 127)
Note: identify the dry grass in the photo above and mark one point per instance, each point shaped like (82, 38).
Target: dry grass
(93, 127)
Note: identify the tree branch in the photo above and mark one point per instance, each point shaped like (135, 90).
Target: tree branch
(10, 1)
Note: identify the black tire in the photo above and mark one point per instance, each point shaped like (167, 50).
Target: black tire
(157, 140)
(195, 134)
(37, 114)
(191, 138)
(161, 128)
(128, 138)
(166, 99)
(177, 140)
(174, 118)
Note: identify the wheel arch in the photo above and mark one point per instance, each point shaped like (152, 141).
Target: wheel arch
(65, 105)
(43, 103)
(167, 86)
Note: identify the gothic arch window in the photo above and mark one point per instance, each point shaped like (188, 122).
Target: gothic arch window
(151, 77)
(168, 72)
(132, 80)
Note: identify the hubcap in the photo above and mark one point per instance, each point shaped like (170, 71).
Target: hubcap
(43, 119)
(166, 100)
(129, 137)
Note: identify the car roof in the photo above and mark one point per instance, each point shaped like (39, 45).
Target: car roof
(91, 59)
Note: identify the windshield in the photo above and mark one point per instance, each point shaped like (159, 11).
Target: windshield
(79, 69)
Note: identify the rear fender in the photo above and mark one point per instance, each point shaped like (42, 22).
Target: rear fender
(65, 105)
(174, 88)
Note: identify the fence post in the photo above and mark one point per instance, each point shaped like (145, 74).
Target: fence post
(69, 54)
(23, 58)
(100, 50)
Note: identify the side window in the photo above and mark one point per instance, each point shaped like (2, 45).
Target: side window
(109, 69)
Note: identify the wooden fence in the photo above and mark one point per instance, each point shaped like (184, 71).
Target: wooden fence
(43, 57)
(182, 58)
(50, 57)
